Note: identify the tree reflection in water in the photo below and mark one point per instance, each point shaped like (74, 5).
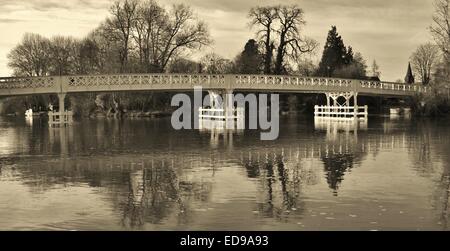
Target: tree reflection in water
(336, 165)
(143, 191)
(152, 191)
(280, 179)
(341, 150)
(429, 150)
(143, 172)
(155, 192)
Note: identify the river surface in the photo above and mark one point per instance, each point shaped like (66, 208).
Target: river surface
(101, 174)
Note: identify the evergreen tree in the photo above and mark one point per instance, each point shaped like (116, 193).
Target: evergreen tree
(335, 54)
(349, 56)
(250, 60)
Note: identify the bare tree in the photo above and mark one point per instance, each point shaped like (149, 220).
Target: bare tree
(265, 17)
(183, 65)
(109, 47)
(118, 29)
(138, 35)
(31, 57)
(157, 24)
(123, 17)
(88, 58)
(162, 35)
(291, 43)
(441, 26)
(150, 22)
(63, 55)
(183, 32)
(306, 67)
(148, 32)
(213, 63)
(424, 60)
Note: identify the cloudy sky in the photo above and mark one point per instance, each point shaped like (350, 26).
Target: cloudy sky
(385, 30)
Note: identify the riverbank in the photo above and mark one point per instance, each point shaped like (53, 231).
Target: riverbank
(126, 114)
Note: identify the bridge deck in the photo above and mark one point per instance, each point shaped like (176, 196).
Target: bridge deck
(13, 86)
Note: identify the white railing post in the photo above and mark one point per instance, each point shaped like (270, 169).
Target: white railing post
(366, 112)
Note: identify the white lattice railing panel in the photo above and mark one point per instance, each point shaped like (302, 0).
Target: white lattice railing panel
(393, 86)
(27, 82)
(121, 82)
(145, 79)
(255, 80)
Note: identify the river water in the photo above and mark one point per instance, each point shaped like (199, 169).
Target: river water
(100, 174)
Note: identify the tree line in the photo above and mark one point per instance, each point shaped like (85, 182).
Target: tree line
(146, 37)
(136, 37)
(431, 61)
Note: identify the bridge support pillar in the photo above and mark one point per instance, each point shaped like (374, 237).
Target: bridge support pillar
(339, 107)
(228, 108)
(61, 98)
(222, 112)
(214, 101)
(61, 117)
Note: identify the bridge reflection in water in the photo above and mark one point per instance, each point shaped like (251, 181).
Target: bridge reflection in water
(219, 129)
(176, 187)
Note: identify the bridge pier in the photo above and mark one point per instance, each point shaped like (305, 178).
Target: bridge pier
(221, 114)
(328, 98)
(61, 117)
(228, 108)
(61, 98)
(337, 110)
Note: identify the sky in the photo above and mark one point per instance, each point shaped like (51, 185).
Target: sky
(387, 31)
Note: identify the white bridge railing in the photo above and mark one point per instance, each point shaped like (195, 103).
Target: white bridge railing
(60, 118)
(341, 112)
(211, 118)
(220, 114)
(393, 86)
(123, 82)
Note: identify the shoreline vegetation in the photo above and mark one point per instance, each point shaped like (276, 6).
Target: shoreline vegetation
(289, 104)
(143, 36)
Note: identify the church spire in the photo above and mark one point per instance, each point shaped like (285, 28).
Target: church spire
(409, 79)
